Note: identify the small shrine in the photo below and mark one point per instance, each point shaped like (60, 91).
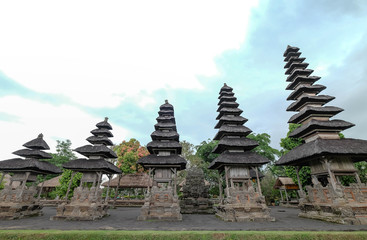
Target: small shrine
(87, 202)
(195, 197)
(20, 197)
(286, 186)
(164, 161)
(242, 203)
(329, 156)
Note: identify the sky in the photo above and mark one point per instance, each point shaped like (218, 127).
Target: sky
(65, 65)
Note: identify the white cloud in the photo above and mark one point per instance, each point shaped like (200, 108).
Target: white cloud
(98, 53)
(56, 123)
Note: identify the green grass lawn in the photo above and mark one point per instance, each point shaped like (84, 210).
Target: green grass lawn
(189, 235)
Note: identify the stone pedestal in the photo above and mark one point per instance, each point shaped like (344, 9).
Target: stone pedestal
(344, 205)
(85, 205)
(243, 206)
(18, 203)
(161, 204)
(195, 197)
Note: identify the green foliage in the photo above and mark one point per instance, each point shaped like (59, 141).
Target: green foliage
(128, 154)
(64, 183)
(267, 188)
(2, 183)
(289, 143)
(205, 148)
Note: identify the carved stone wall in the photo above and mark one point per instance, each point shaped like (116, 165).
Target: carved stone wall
(195, 197)
(86, 204)
(345, 205)
(161, 204)
(243, 206)
(16, 204)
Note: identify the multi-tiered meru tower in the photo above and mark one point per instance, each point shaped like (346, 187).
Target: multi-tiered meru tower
(87, 202)
(163, 162)
(329, 157)
(20, 201)
(242, 202)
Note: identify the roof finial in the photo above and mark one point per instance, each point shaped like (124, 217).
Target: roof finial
(40, 135)
(225, 84)
(166, 101)
(106, 119)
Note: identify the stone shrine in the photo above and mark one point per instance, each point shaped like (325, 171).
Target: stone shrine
(161, 201)
(328, 156)
(242, 203)
(87, 202)
(195, 197)
(20, 201)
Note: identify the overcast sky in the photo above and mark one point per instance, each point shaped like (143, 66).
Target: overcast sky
(66, 65)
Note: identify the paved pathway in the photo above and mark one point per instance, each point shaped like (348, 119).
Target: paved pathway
(125, 219)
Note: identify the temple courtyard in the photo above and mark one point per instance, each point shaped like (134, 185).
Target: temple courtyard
(125, 218)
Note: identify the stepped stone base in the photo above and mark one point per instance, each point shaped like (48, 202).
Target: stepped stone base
(244, 206)
(243, 213)
(354, 215)
(196, 206)
(161, 204)
(10, 211)
(81, 212)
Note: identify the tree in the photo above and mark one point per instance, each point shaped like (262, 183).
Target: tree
(63, 153)
(267, 187)
(128, 154)
(204, 150)
(64, 184)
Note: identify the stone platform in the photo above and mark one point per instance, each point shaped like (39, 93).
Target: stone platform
(161, 204)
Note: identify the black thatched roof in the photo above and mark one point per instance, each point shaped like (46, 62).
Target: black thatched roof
(37, 143)
(227, 99)
(225, 88)
(93, 165)
(229, 111)
(171, 135)
(166, 106)
(100, 140)
(299, 72)
(290, 49)
(101, 150)
(225, 94)
(295, 65)
(165, 112)
(316, 89)
(170, 119)
(33, 153)
(306, 129)
(292, 54)
(155, 160)
(301, 79)
(164, 145)
(239, 159)
(165, 125)
(308, 111)
(292, 60)
(320, 99)
(102, 132)
(232, 130)
(104, 124)
(305, 153)
(24, 165)
(227, 105)
(235, 143)
(231, 120)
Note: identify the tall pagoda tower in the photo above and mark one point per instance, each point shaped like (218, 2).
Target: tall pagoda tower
(18, 202)
(242, 203)
(328, 156)
(87, 202)
(163, 162)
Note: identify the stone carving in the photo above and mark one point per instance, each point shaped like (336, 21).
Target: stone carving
(195, 197)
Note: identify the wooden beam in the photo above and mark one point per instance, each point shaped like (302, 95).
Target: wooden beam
(220, 187)
(23, 184)
(117, 191)
(99, 181)
(108, 188)
(258, 181)
(331, 174)
(227, 182)
(71, 180)
(40, 191)
(298, 179)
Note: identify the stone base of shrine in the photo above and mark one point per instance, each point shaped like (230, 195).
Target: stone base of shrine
(243, 213)
(10, 211)
(81, 212)
(342, 214)
(196, 206)
(161, 204)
